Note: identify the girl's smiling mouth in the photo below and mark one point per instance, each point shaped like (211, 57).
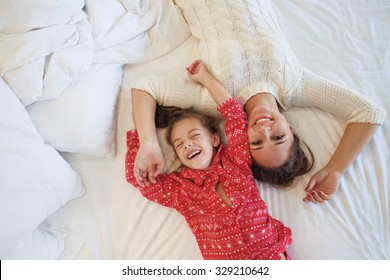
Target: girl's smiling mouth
(193, 154)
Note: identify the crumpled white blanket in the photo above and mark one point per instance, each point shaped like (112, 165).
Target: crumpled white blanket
(136, 30)
(48, 44)
(39, 64)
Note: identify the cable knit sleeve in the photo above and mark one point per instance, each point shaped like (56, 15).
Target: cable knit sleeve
(328, 96)
(179, 92)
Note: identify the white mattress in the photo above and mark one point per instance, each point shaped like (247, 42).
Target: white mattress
(347, 43)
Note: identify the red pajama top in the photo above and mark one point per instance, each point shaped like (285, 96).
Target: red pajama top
(243, 231)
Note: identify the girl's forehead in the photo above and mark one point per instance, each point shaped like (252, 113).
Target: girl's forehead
(187, 125)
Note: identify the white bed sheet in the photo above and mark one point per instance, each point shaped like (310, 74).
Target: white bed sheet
(346, 43)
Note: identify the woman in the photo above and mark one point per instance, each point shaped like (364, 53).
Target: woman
(242, 45)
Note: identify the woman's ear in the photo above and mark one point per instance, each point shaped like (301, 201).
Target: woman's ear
(216, 140)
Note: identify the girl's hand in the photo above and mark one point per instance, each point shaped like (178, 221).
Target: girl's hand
(198, 72)
(149, 163)
(322, 186)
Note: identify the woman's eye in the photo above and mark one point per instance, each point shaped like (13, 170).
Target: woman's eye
(278, 137)
(256, 143)
(194, 136)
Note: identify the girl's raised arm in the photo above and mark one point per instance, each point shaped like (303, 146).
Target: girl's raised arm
(198, 72)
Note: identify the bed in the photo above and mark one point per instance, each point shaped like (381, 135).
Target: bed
(66, 106)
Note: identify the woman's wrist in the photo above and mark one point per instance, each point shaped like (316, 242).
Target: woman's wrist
(337, 168)
(150, 141)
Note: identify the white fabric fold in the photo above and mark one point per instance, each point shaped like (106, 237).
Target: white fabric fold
(40, 64)
(19, 16)
(136, 31)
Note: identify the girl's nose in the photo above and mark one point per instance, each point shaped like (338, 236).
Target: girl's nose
(188, 144)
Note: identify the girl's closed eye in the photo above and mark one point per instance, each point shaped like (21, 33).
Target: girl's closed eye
(179, 145)
(195, 136)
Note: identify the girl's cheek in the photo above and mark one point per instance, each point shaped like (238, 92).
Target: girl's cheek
(178, 154)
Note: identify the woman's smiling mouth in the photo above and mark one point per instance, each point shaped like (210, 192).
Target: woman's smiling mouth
(262, 120)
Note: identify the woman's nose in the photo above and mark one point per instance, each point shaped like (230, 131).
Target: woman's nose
(265, 129)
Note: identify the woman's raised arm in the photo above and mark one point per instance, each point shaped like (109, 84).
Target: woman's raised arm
(326, 181)
(150, 160)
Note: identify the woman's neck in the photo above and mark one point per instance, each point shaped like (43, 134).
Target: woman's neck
(263, 98)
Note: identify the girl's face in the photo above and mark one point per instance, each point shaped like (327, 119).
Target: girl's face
(270, 137)
(194, 144)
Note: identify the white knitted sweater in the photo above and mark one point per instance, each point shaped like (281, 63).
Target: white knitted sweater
(244, 48)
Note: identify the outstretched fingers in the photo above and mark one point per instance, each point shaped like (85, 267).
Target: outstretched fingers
(139, 177)
(145, 178)
(316, 197)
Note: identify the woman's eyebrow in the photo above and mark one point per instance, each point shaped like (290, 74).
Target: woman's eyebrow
(280, 143)
(259, 148)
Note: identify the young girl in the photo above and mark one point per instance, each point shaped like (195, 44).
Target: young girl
(215, 190)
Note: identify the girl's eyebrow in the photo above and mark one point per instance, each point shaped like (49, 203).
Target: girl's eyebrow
(192, 130)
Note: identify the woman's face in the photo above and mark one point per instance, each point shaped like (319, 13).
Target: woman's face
(194, 144)
(270, 137)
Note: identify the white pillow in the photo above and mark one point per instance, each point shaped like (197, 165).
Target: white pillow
(48, 242)
(35, 180)
(82, 119)
(39, 245)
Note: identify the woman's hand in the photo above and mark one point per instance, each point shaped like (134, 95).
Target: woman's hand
(322, 186)
(149, 163)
